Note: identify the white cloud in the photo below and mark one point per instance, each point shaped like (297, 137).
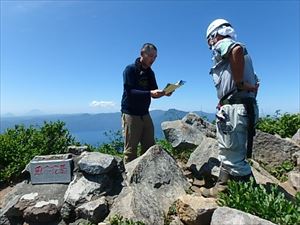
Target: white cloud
(102, 104)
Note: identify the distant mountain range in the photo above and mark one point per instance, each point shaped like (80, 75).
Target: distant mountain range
(90, 128)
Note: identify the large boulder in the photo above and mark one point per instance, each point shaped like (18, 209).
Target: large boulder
(101, 175)
(228, 216)
(96, 163)
(181, 135)
(94, 211)
(32, 202)
(188, 132)
(204, 158)
(154, 181)
(82, 189)
(272, 150)
(42, 212)
(193, 119)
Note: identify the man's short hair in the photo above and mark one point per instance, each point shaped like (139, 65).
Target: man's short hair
(147, 47)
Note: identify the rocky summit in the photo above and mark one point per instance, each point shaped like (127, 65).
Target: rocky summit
(151, 186)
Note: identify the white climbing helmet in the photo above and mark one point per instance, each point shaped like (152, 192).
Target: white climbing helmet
(216, 24)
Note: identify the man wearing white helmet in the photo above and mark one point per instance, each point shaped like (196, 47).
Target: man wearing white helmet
(237, 86)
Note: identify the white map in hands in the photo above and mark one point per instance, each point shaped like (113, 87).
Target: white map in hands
(172, 87)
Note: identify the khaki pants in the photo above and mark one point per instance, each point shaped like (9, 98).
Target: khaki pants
(232, 138)
(137, 129)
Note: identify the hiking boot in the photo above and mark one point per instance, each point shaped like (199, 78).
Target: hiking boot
(212, 192)
(220, 186)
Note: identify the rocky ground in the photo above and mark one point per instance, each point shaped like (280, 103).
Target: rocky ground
(147, 188)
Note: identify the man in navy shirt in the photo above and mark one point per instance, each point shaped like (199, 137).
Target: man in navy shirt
(139, 86)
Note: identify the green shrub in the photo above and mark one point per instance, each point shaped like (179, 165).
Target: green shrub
(168, 218)
(119, 220)
(285, 125)
(20, 144)
(114, 146)
(166, 146)
(256, 200)
(179, 154)
(281, 171)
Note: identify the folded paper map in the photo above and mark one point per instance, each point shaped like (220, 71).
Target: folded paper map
(172, 87)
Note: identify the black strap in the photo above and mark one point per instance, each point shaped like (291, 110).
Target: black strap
(251, 128)
(249, 106)
(226, 96)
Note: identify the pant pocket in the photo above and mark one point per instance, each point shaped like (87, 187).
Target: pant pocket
(241, 119)
(226, 127)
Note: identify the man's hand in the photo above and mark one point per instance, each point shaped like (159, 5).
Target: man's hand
(157, 93)
(169, 94)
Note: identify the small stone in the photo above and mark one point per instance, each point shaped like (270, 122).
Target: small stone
(198, 183)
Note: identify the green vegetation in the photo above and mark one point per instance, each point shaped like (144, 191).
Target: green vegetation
(257, 200)
(285, 125)
(114, 146)
(280, 172)
(171, 213)
(179, 154)
(19, 145)
(119, 220)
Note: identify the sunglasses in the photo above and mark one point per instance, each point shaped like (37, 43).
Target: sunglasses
(213, 35)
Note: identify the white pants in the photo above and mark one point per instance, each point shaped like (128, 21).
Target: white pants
(232, 125)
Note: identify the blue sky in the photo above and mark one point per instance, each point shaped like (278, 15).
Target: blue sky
(69, 56)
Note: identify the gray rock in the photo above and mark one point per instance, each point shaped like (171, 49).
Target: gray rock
(195, 210)
(4, 220)
(261, 175)
(155, 168)
(67, 212)
(42, 212)
(228, 216)
(188, 132)
(154, 182)
(18, 209)
(205, 158)
(8, 210)
(96, 163)
(294, 179)
(77, 150)
(24, 196)
(94, 211)
(204, 126)
(271, 150)
(83, 188)
(296, 159)
(296, 137)
(182, 135)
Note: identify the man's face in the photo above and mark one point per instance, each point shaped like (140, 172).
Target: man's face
(213, 40)
(148, 58)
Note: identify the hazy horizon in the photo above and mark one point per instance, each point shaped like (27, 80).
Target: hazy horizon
(36, 112)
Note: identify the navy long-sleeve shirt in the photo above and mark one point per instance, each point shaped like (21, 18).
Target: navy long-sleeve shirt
(137, 83)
